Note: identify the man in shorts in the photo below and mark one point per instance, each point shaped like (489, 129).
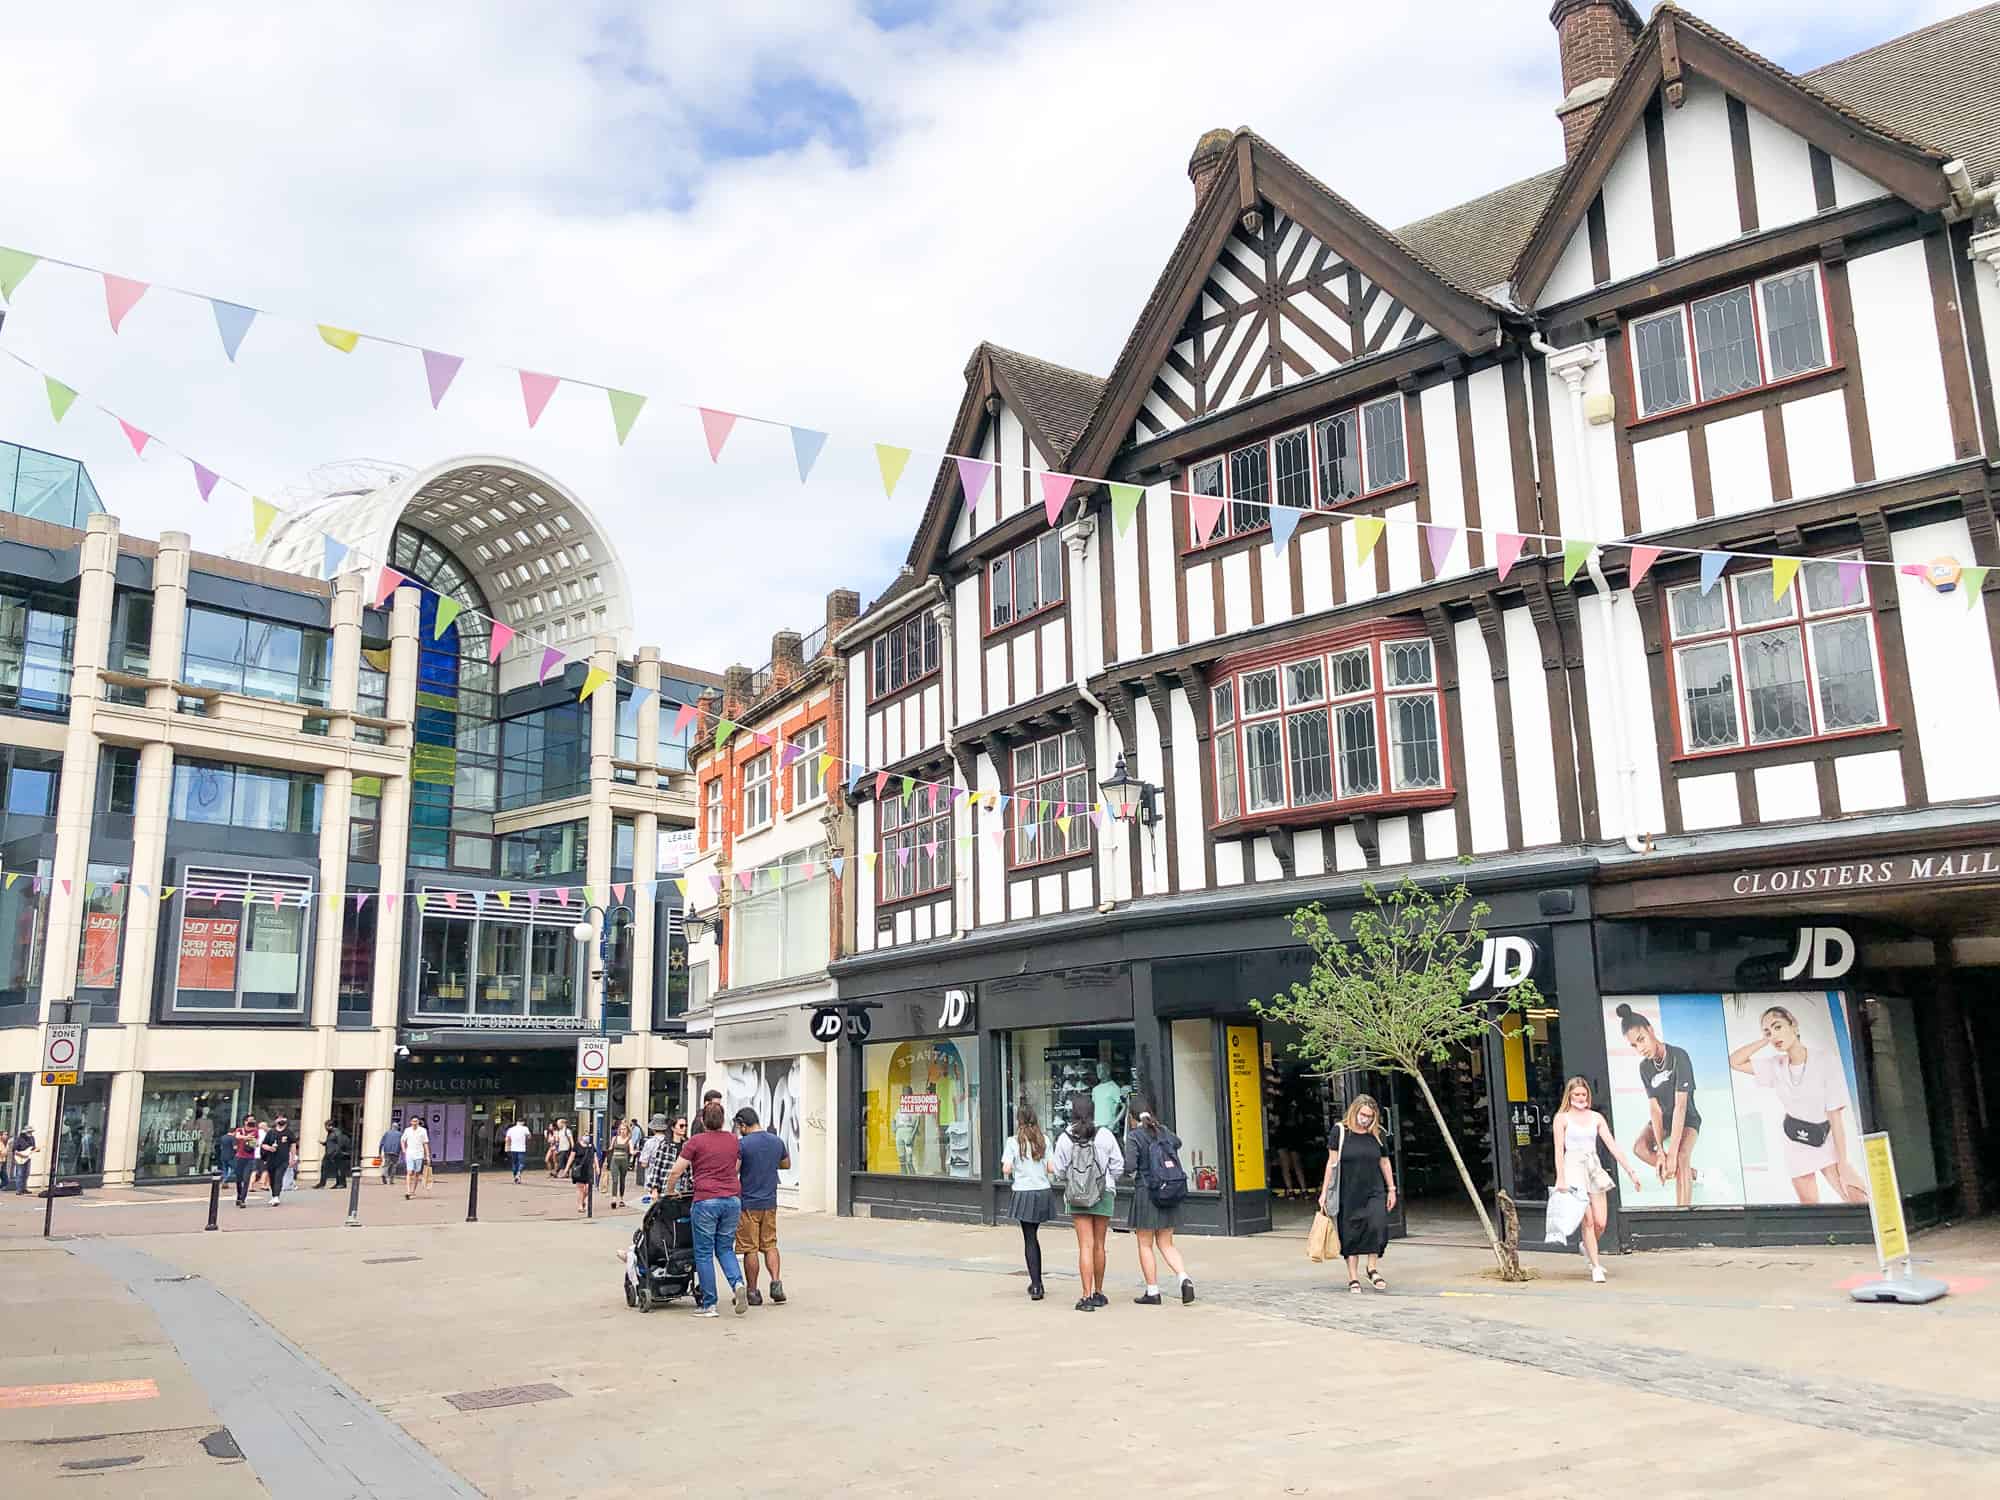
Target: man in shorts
(416, 1154)
(762, 1156)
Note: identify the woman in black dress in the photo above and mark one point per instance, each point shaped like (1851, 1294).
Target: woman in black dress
(1359, 1191)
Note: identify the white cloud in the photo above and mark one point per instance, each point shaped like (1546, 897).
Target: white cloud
(534, 190)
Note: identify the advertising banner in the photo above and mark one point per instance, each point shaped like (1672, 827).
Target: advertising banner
(99, 966)
(208, 953)
(1246, 1108)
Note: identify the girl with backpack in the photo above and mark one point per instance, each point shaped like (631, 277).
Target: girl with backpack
(1087, 1165)
(1025, 1164)
(1159, 1188)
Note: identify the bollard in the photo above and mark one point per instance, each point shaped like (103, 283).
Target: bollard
(472, 1197)
(354, 1198)
(214, 1201)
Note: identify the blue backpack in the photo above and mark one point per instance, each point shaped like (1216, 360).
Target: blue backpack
(1160, 1166)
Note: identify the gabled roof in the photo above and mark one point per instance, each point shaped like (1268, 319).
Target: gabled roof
(1906, 166)
(1253, 170)
(1476, 242)
(1939, 85)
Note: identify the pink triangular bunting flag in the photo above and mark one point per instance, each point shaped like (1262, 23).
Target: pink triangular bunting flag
(204, 479)
(440, 370)
(1206, 511)
(684, 719)
(535, 392)
(972, 476)
(1440, 539)
(715, 426)
(137, 439)
(1643, 559)
(121, 295)
(386, 583)
(1055, 493)
(1507, 551)
(502, 634)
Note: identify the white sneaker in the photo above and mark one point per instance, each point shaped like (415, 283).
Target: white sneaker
(1597, 1273)
(710, 1311)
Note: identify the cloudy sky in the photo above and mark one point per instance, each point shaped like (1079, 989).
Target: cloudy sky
(805, 209)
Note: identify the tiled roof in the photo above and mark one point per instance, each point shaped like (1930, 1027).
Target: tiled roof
(1476, 243)
(1059, 400)
(1938, 87)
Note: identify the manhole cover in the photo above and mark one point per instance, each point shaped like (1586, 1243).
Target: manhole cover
(390, 1260)
(506, 1395)
(220, 1444)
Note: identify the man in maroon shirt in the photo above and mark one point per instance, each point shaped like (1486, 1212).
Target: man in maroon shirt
(711, 1157)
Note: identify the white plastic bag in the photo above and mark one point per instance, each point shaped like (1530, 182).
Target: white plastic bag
(1565, 1216)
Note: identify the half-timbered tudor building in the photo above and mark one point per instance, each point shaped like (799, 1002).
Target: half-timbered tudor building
(1742, 826)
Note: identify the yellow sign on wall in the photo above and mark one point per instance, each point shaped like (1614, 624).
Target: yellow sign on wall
(1246, 1108)
(1885, 1200)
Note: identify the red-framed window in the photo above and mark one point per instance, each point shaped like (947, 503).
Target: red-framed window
(914, 837)
(903, 655)
(1342, 724)
(1051, 781)
(1025, 581)
(1752, 670)
(1763, 332)
(1320, 466)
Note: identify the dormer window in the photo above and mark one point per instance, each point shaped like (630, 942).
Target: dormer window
(1025, 581)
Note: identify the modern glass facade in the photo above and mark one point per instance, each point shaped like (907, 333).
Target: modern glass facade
(46, 486)
(455, 765)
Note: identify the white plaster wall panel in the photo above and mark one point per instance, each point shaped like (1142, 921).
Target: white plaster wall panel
(965, 629)
(1566, 508)
(1601, 450)
(1816, 446)
(1235, 591)
(1125, 578)
(1316, 569)
(1709, 802)
(990, 859)
(1201, 619)
(1851, 186)
(1869, 782)
(1403, 541)
(1027, 683)
(1781, 162)
(1277, 580)
(1309, 852)
(1191, 763)
(1571, 277)
(1617, 677)
(1055, 652)
(1485, 792)
(1786, 794)
(921, 930)
(1264, 860)
(1628, 211)
(1229, 863)
(1151, 766)
(1347, 855)
(933, 714)
(941, 923)
(1534, 746)
(1393, 841)
(878, 739)
(1440, 835)
(1739, 463)
(1078, 883)
(863, 884)
(1160, 580)
(1006, 481)
(995, 697)
(1901, 364)
(1492, 449)
(1049, 894)
(1665, 476)
(905, 929)
(1988, 286)
(912, 709)
(1951, 669)
(1020, 899)
(1701, 169)
(1445, 482)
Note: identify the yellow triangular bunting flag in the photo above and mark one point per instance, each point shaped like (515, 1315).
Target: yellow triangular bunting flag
(262, 514)
(594, 679)
(1783, 571)
(891, 460)
(343, 339)
(506, 899)
(1367, 532)
(167, 890)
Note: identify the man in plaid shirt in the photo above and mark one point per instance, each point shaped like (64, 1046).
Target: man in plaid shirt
(661, 1151)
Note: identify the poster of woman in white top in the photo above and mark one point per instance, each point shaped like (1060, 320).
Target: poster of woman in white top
(1798, 1124)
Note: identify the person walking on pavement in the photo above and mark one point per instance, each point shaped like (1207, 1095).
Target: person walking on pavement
(565, 1149)
(582, 1167)
(549, 1139)
(517, 1147)
(1088, 1164)
(334, 1163)
(618, 1162)
(713, 1096)
(763, 1156)
(1359, 1190)
(416, 1155)
(1159, 1187)
(391, 1148)
(274, 1154)
(713, 1159)
(243, 1156)
(1025, 1164)
(651, 1172)
(1578, 1128)
(21, 1156)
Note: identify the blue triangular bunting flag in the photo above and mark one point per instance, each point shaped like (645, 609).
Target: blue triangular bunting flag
(1712, 564)
(806, 444)
(1284, 521)
(232, 321)
(336, 554)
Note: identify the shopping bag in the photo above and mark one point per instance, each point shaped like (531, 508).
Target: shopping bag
(1319, 1239)
(1565, 1216)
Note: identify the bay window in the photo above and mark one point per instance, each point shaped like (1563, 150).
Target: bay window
(1753, 670)
(478, 958)
(261, 658)
(782, 932)
(1337, 459)
(1343, 724)
(243, 940)
(916, 840)
(1748, 336)
(1051, 781)
(1025, 581)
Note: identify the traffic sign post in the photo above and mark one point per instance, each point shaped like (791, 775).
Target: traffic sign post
(593, 1086)
(62, 1063)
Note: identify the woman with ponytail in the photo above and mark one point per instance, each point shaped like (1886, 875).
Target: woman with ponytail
(1025, 1164)
(1160, 1186)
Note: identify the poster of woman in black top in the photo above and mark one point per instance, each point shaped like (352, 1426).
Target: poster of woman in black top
(1666, 1073)
(1670, 1099)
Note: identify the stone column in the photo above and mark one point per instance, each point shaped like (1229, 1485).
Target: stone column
(121, 1128)
(377, 1095)
(153, 799)
(315, 1109)
(603, 746)
(646, 847)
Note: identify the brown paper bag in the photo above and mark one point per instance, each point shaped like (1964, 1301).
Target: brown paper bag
(1319, 1240)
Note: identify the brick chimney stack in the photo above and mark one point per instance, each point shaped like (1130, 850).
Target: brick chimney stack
(1205, 165)
(1595, 37)
(787, 663)
(843, 607)
(736, 691)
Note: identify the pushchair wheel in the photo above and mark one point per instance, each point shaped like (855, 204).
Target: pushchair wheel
(645, 1300)
(631, 1297)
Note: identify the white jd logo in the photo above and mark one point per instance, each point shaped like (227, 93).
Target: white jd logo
(957, 1005)
(1503, 962)
(1828, 950)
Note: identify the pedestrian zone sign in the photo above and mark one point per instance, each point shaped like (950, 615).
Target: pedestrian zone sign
(593, 1063)
(62, 1056)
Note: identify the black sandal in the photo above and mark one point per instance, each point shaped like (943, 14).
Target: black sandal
(1375, 1280)
(1354, 1286)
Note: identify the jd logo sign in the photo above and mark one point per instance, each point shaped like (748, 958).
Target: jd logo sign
(829, 1022)
(1823, 953)
(1503, 963)
(957, 1012)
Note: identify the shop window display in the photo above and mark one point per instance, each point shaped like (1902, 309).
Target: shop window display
(1196, 1105)
(1052, 1064)
(241, 940)
(103, 927)
(180, 1120)
(80, 1151)
(920, 1108)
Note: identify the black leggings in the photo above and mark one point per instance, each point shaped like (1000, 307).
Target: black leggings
(1031, 1246)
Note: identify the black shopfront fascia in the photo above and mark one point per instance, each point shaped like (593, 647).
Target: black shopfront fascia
(1151, 966)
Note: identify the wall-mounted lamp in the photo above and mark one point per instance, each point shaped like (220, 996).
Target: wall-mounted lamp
(1125, 793)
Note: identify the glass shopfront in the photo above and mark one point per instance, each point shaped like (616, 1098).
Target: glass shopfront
(80, 1152)
(920, 1107)
(180, 1120)
(1053, 1065)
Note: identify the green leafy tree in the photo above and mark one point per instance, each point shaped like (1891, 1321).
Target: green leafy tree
(1392, 998)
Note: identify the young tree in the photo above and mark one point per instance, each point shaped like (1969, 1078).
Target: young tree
(1393, 999)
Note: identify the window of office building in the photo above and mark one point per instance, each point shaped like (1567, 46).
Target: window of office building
(118, 779)
(104, 896)
(262, 658)
(243, 940)
(476, 958)
(245, 797)
(131, 646)
(455, 759)
(535, 853)
(545, 755)
(920, 1108)
(35, 639)
(781, 932)
(24, 922)
(624, 836)
(357, 955)
(32, 778)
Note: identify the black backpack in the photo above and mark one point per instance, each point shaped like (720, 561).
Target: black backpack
(1160, 1165)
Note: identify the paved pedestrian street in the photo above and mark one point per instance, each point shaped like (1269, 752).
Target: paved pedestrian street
(418, 1357)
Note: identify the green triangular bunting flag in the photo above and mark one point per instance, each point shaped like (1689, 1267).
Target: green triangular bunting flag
(14, 267)
(60, 397)
(447, 611)
(1575, 555)
(625, 409)
(1125, 504)
(1974, 580)
(724, 728)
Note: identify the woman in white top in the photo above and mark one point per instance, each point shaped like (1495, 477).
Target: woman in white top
(1813, 1094)
(1093, 1153)
(1025, 1164)
(1578, 1129)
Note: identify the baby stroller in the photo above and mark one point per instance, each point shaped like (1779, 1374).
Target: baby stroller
(660, 1265)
